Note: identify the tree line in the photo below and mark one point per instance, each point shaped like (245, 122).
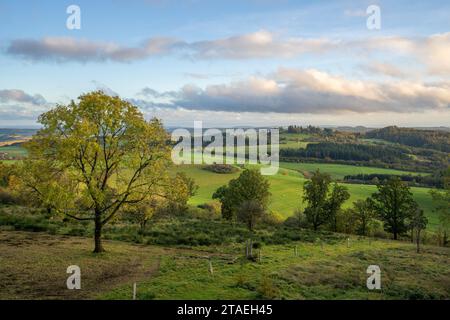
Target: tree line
(431, 139)
(433, 180)
(246, 199)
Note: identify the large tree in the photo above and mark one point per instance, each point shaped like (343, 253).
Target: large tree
(96, 156)
(394, 203)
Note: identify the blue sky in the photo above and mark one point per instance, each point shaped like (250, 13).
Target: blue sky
(230, 63)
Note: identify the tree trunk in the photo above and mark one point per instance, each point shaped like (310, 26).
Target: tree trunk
(98, 234)
(418, 240)
(395, 235)
(445, 239)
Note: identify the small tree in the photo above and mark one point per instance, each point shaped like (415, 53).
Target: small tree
(249, 186)
(226, 206)
(335, 200)
(394, 203)
(323, 205)
(315, 194)
(418, 223)
(250, 212)
(94, 157)
(441, 203)
(141, 213)
(363, 213)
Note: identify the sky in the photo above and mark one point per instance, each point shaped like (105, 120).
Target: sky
(231, 63)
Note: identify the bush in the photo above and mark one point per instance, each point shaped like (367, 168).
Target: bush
(212, 209)
(267, 289)
(221, 168)
(7, 197)
(273, 219)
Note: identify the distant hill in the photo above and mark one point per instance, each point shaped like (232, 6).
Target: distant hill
(422, 138)
(13, 136)
(362, 129)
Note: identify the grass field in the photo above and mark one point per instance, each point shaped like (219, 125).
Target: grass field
(287, 189)
(33, 266)
(14, 151)
(339, 171)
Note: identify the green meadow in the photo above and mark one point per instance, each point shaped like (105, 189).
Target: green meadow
(14, 151)
(287, 187)
(339, 171)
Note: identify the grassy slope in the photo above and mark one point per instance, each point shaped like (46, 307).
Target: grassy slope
(334, 272)
(287, 188)
(33, 266)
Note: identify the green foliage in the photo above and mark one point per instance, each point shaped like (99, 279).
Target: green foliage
(323, 205)
(94, 157)
(394, 204)
(338, 196)
(441, 203)
(221, 168)
(363, 213)
(439, 140)
(250, 212)
(417, 223)
(249, 186)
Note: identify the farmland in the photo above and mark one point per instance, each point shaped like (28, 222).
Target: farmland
(287, 187)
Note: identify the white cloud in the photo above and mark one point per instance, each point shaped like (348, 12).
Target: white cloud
(312, 91)
(432, 51)
(15, 95)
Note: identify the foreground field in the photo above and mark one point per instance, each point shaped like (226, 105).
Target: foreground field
(33, 266)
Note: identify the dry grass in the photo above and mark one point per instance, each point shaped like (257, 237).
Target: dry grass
(33, 265)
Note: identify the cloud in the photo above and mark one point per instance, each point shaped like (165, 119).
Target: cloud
(102, 87)
(432, 51)
(15, 95)
(64, 49)
(16, 104)
(261, 44)
(386, 69)
(311, 91)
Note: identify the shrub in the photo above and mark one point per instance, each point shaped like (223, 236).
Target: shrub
(267, 289)
(221, 168)
(7, 197)
(212, 209)
(273, 218)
